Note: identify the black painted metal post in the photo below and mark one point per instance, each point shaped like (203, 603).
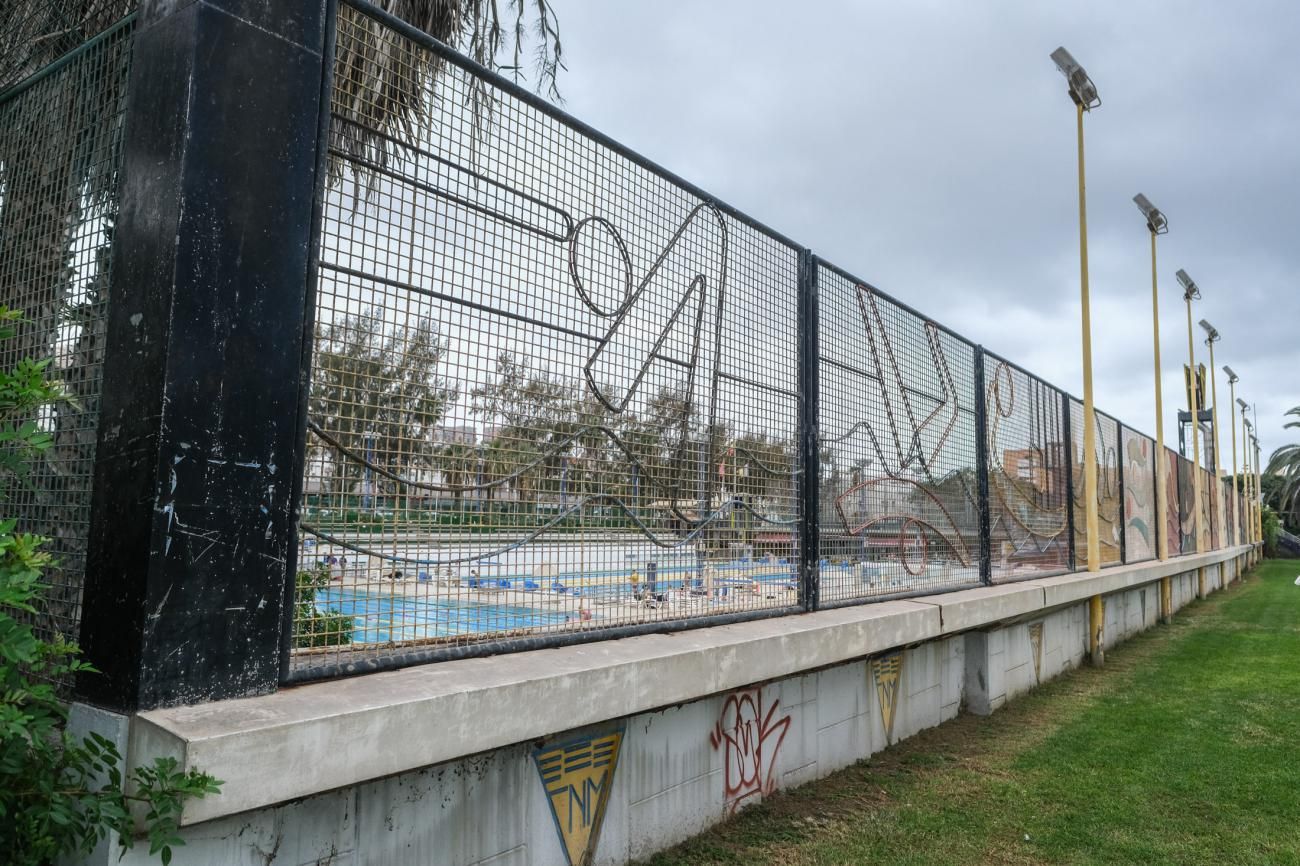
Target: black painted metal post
(190, 531)
(809, 444)
(1069, 476)
(982, 469)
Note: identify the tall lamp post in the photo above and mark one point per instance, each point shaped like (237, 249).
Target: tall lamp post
(1259, 476)
(1084, 95)
(1157, 224)
(1192, 292)
(1211, 337)
(1247, 483)
(1238, 535)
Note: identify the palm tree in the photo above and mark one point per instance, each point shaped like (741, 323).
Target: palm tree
(59, 148)
(1285, 464)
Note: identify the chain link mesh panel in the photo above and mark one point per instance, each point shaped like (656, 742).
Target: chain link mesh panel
(1173, 504)
(1028, 462)
(1209, 511)
(35, 33)
(1140, 518)
(899, 502)
(60, 155)
(1186, 506)
(1109, 525)
(552, 391)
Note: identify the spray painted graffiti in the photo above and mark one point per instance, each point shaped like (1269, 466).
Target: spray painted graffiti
(577, 776)
(751, 739)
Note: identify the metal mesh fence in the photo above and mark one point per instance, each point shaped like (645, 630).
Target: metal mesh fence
(60, 155)
(898, 454)
(1173, 504)
(1109, 525)
(1028, 462)
(1209, 511)
(553, 391)
(35, 33)
(1186, 506)
(1140, 519)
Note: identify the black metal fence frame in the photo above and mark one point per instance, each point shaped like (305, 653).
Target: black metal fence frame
(808, 445)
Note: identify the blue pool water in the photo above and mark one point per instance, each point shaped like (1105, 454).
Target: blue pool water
(379, 619)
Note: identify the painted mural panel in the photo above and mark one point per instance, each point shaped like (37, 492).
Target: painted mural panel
(1207, 510)
(1186, 506)
(1173, 530)
(1108, 488)
(1139, 497)
(577, 775)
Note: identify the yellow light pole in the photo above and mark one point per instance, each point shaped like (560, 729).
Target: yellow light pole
(1084, 95)
(1157, 224)
(1212, 337)
(1259, 492)
(1247, 482)
(1238, 535)
(1192, 292)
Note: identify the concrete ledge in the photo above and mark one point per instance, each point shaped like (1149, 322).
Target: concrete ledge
(314, 738)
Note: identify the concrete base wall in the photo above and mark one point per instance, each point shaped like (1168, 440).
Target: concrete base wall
(626, 788)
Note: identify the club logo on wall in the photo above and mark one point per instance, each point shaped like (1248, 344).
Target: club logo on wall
(577, 776)
(887, 671)
(1036, 643)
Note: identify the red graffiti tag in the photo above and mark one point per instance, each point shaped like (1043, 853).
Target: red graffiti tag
(752, 741)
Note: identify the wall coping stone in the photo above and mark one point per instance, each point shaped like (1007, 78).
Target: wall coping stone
(317, 737)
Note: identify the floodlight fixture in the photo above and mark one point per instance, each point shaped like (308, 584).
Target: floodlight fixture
(1242, 404)
(1082, 90)
(1191, 291)
(1232, 377)
(1156, 221)
(1211, 333)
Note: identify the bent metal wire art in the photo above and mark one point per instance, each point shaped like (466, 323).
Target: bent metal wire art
(1027, 473)
(900, 445)
(554, 391)
(551, 390)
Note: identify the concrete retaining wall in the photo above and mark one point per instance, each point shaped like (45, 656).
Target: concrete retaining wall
(631, 785)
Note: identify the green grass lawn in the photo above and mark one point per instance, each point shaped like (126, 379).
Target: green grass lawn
(1185, 749)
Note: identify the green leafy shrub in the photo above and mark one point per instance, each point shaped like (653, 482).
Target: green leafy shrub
(313, 627)
(59, 795)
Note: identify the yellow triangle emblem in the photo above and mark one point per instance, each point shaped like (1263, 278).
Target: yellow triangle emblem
(577, 776)
(887, 670)
(1036, 643)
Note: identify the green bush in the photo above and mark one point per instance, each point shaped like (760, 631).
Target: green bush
(59, 795)
(311, 626)
(1270, 525)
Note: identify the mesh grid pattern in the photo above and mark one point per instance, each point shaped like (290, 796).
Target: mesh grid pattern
(900, 511)
(1139, 497)
(1173, 503)
(1028, 458)
(1209, 512)
(60, 154)
(1186, 506)
(1108, 488)
(35, 33)
(552, 391)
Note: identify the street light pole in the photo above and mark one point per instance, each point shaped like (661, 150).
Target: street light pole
(1192, 292)
(1212, 337)
(1084, 95)
(1157, 224)
(1237, 534)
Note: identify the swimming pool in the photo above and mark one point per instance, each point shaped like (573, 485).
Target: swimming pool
(384, 618)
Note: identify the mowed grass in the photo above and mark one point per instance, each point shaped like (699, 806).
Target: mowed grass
(1185, 749)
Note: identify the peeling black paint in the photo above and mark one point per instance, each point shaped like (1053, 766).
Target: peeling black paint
(190, 519)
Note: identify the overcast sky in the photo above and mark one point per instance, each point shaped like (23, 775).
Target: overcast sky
(929, 148)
